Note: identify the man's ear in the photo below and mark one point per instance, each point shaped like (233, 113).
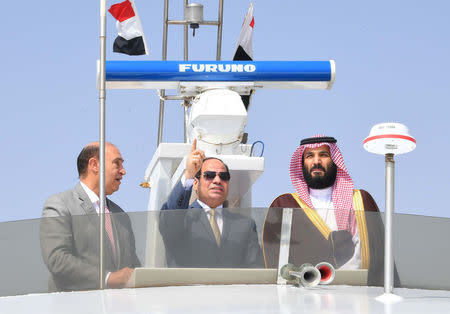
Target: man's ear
(94, 165)
(195, 184)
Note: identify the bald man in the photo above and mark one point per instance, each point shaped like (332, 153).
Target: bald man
(70, 228)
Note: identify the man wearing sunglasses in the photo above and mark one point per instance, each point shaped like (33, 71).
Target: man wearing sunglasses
(204, 233)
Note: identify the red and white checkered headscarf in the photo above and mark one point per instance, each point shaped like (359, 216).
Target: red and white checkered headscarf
(342, 189)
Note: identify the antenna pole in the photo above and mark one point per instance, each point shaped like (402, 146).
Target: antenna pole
(388, 254)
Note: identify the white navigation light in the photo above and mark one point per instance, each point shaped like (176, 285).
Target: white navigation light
(217, 119)
(193, 14)
(389, 138)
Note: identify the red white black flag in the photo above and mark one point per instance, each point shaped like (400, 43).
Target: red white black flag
(244, 50)
(130, 39)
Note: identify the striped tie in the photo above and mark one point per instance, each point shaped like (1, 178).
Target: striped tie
(214, 226)
(108, 228)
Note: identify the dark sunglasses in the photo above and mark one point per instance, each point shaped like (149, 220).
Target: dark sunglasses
(210, 175)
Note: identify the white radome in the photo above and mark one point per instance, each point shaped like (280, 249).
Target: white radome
(389, 138)
(217, 120)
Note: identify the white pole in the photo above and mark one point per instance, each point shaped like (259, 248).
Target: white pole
(388, 245)
(102, 97)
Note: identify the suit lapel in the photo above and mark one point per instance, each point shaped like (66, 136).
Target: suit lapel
(93, 218)
(226, 230)
(86, 203)
(205, 222)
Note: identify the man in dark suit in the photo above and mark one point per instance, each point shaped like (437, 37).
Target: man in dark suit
(70, 228)
(204, 234)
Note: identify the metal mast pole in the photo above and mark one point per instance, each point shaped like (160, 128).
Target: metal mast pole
(102, 98)
(164, 57)
(186, 33)
(186, 57)
(388, 254)
(219, 31)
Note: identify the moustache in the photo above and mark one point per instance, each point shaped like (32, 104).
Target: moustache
(319, 167)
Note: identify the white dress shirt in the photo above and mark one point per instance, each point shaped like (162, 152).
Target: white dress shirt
(322, 200)
(217, 214)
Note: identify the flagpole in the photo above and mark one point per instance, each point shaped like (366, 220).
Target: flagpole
(102, 98)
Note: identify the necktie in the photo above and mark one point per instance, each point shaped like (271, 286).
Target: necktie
(214, 226)
(108, 229)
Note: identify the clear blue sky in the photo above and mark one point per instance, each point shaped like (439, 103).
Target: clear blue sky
(391, 65)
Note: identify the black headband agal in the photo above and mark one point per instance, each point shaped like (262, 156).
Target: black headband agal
(315, 140)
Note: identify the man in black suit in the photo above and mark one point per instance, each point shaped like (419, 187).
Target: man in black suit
(204, 234)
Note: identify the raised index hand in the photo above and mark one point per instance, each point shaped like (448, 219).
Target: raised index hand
(194, 161)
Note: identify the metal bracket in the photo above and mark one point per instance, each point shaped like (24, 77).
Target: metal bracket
(195, 88)
(285, 242)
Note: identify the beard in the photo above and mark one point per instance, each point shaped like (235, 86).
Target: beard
(320, 182)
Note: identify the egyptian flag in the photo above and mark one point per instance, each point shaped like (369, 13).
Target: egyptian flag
(244, 50)
(130, 39)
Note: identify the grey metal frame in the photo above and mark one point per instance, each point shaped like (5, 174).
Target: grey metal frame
(166, 24)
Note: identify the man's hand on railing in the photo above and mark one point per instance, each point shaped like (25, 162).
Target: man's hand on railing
(119, 279)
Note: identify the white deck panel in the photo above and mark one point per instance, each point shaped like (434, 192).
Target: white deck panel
(230, 299)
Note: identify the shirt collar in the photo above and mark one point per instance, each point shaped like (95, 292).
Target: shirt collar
(207, 208)
(92, 196)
